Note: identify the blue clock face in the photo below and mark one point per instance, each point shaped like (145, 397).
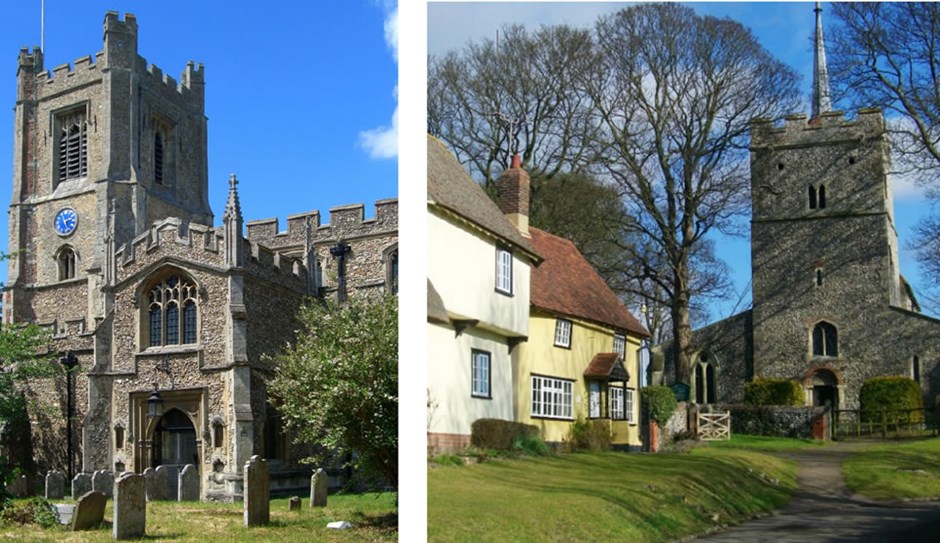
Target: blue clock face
(65, 221)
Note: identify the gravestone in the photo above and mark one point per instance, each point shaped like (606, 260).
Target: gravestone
(18, 487)
(130, 507)
(63, 512)
(189, 484)
(89, 511)
(149, 480)
(103, 481)
(55, 485)
(257, 496)
(318, 488)
(161, 484)
(81, 484)
(294, 504)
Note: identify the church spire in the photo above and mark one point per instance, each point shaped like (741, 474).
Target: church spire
(821, 103)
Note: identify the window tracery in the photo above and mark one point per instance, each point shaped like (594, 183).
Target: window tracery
(165, 302)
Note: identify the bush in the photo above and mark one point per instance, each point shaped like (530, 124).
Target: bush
(898, 396)
(588, 435)
(35, 511)
(660, 403)
(773, 391)
(532, 445)
(499, 434)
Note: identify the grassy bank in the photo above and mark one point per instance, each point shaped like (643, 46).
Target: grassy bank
(598, 496)
(896, 470)
(373, 517)
(767, 444)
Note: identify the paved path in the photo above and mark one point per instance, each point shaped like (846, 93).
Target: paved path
(824, 509)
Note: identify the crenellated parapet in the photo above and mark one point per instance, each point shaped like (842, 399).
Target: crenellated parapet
(346, 222)
(275, 267)
(177, 234)
(831, 127)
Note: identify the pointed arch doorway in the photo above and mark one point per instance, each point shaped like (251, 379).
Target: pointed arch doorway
(174, 446)
(823, 385)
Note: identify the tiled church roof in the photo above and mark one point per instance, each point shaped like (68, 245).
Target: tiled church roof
(565, 283)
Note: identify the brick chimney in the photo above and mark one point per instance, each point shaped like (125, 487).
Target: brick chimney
(514, 195)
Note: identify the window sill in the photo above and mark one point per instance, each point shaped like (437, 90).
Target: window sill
(508, 294)
(546, 417)
(172, 349)
(480, 397)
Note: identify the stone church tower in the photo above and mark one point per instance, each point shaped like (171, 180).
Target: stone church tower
(830, 308)
(116, 254)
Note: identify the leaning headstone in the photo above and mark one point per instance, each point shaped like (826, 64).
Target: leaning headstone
(130, 507)
(161, 481)
(103, 481)
(63, 512)
(18, 487)
(89, 511)
(81, 484)
(149, 479)
(257, 496)
(189, 484)
(318, 485)
(55, 485)
(294, 504)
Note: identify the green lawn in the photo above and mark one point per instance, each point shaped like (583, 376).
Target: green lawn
(895, 471)
(373, 516)
(604, 496)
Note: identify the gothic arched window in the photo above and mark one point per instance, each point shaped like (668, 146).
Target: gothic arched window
(163, 312)
(65, 261)
(705, 379)
(391, 269)
(158, 157)
(825, 340)
(812, 197)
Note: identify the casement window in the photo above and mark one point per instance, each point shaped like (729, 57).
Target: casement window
(563, 333)
(825, 340)
(503, 270)
(480, 373)
(628, 405)
(552, 398)
(616, 403)
(620, 344)
(72, 141)
(168, 299)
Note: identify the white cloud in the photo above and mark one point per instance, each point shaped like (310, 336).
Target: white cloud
(382, 142)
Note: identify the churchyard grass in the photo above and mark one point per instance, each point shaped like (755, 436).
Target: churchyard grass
(373, 516)
(604, 496)
(768, 444)
(893, 471)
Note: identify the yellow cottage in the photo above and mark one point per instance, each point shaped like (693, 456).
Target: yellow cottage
(581, 360)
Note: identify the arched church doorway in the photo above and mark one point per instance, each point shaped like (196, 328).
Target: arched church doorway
(825, 388)
(174, 445)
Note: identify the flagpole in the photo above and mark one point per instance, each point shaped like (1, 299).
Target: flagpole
(42, 27)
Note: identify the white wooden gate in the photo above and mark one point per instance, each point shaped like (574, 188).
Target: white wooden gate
(714, 426)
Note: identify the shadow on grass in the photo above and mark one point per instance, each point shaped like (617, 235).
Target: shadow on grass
(388, 521)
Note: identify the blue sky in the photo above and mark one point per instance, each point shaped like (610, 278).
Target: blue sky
(300, 96)
(783, 28)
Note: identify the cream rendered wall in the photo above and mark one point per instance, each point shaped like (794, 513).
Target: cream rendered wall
(462, 267)
(453, 409)
(539, 356)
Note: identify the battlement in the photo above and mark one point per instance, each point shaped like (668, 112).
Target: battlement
(264, 260)
(345, 222)
(193, 74)
(829, 126)
(113, 22)
(195, 236)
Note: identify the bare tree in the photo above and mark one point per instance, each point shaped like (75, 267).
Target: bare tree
(675, 93)
(887, 55)
(492, 100)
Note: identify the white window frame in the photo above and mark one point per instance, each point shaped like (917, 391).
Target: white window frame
(628, 397)
(620, 344)
(563, 333)
(552, 398)
(481, 365)
(616, 403)
(503, 270)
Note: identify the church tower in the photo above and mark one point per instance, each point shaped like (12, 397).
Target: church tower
(823, 244)
(109, 132)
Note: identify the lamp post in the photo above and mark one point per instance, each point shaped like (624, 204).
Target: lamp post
(69, 362)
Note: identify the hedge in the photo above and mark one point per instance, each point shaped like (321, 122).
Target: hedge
(660, 402)
(890, 394)
(499, 434)
(773, 391)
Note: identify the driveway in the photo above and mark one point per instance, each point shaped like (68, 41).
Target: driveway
(824, 509)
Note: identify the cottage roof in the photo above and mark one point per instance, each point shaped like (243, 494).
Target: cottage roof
(565, 283)
(450, 187)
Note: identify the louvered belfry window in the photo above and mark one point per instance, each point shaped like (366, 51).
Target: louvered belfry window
(73, 146)
(158, 157)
